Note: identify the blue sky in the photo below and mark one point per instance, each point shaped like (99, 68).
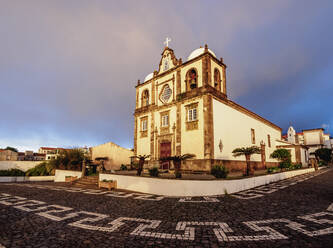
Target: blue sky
(68, 68)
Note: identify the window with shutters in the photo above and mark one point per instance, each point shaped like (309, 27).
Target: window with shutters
(192, 116)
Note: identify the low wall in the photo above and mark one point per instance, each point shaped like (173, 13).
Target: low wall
(60, 175)
(22, 165)
(173, 187)
(26, 179)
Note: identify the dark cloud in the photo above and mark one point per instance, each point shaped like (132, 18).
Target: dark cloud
(68, 68)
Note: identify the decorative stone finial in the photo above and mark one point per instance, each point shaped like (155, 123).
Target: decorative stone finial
(221, 59)
(180, 61)
(138, 81)
(206, 48)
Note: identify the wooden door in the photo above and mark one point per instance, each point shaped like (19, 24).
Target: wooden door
(165, 151)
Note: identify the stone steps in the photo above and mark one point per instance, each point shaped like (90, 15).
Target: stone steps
(87, 182)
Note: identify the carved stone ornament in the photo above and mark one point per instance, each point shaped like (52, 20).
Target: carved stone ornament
(221, 146)
(165, 94)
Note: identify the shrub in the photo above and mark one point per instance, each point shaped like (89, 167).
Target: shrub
(107, 181)
(284, 156)
(42, 169)
(219, 171)
(273, 169)
(123, 167)
(178, 174)
(153, 172)
(12, 173)
(297, 166)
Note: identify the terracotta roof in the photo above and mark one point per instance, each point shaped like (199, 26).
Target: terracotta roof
(312, 129)
(48, 148)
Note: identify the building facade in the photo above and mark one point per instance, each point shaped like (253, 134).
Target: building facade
(314, 139)
(183, 108)
(8, 155)
(112, 154)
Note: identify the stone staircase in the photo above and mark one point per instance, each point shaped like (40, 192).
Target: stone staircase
(90, 182)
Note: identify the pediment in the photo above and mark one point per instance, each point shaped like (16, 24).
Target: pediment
(168, 60)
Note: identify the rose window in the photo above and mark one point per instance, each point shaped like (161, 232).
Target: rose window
(166, 94)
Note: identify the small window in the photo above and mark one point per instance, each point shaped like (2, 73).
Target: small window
(269, 140)
(192, 114)
(145, 98)
(165, 120)
(144, 125)
(253, 136)
(217, 79)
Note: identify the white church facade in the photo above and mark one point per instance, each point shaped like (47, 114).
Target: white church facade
(183, 107)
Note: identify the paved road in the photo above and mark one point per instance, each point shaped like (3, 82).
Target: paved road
(293, 213)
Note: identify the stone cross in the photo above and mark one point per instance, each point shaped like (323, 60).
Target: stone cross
(166, 42)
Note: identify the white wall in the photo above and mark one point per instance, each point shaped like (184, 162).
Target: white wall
(234, 129)
(22, 165)
(192, 141)
(26, 179)
(312, 137)
(60, 175)
(143, 143)
(173, 187)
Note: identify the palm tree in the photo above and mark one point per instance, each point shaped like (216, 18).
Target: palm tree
(247, 151)
(177, 162)
(142, 159)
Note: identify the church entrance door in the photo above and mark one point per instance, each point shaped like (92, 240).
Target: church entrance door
(165, 151)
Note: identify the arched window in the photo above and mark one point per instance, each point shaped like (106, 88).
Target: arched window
(145, 98)
(217, 79)
(191, 79)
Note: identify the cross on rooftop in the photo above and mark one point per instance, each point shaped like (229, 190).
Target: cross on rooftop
(166, 42)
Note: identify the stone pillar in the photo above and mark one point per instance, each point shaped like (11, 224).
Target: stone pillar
(263, 154)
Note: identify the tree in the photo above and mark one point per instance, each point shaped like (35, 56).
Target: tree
(142, 159)
(69, 159)
(324, 154)
(11, 149)
(177, 162)
(284, 156)
(248, 152)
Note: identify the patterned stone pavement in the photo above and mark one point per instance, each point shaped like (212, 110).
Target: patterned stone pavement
(296, 212)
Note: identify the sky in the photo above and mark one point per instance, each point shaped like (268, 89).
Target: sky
(68, 68)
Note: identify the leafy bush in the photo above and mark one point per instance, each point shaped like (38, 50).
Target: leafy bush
(12, 173)
(219, 171)
(107, 181)
(322, 163)
(297, 166)
(284, 156)
(324, 154)
(153, 172)
(273, 169)
(178, 174)
(123, 167)
(42, 169)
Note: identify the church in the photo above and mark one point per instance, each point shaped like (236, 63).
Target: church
(183, 107)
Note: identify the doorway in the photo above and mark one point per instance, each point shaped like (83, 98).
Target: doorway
(165, 151)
